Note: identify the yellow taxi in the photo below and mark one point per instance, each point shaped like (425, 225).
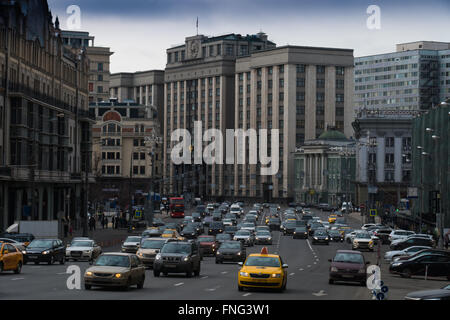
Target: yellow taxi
(263, 270)
(11, 259)
(172, 233)
(332, 218)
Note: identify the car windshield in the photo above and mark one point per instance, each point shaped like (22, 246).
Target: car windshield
(189, 228)
(176, 248)
(230, 228)
(263, 234)
(40, 244)
(112, 261)
(262, 262)
(133, 239)
(206, 239)
(349, 258)
(300, 229)
(216, 225)
(334, 232)
(243, 233)
(168, 231)
(363, 236)
(231, 245)
(290, 224)
(224, 236)
(251, 225)
(152, 244)
(320, 233)
(274, 220)
(82, 244)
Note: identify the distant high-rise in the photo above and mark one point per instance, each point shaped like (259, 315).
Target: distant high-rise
(415, 77)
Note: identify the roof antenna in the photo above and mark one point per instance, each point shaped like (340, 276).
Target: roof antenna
(197, 25)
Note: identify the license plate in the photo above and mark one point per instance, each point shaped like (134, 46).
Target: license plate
(347, 276)
(32, 257)
(261, 280)
(170, 266)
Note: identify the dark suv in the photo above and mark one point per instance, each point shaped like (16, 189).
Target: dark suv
(178, 257)
(45, 250)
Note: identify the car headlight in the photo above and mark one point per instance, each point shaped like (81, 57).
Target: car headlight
(89, 273)
(362, 270)
(334, 269)
(269, 238)
(315, 238)
(295, 232)
(257, 238)
(186, 259)
(140, 254)
(87, 251)
(239, 253)
(326, 238)
(118, 275)
(276, 275)
(158, 256)
(370, 242)
(24, 252)
(243, 274)
(396, 264)
(46, 252)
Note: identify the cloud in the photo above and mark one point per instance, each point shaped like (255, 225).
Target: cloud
(139, 32)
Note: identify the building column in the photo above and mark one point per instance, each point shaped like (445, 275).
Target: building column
(146, 95)
(381, 152)
(40, 201)
(398, 159)
(310, 102)
(19, 206)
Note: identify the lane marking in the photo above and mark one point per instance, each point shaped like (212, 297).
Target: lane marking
(14, 279)
(178, 284)
(315, 262)
(205, 277)
(291, 274)
(224, 272)
(301, 269)
(309, 266)
(246, 294)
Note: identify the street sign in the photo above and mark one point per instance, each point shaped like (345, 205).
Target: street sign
(373, 212)
(413, 192)
(138, 214)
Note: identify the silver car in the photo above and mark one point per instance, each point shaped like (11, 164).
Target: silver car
(83, 250)
(392, 255)
(245, 236)
(263, 237)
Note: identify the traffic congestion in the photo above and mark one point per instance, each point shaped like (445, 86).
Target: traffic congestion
(247, 249)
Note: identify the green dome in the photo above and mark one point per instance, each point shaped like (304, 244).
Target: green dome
(332, 135)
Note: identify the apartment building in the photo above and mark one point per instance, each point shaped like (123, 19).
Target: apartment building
(99, 63)
(415, 77)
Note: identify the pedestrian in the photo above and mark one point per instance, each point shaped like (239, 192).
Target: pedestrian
(70, 228)
(447, 239)
(66, 227)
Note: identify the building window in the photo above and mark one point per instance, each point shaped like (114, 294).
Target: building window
(300, 96)
(100, 66)
(301, 110)
(389, 142)
(300, 68)
(340, 71)
(339, 84)
(339, 97)
(320, 69)
(320, 83)
(300, 82)
(142, 170)
(320, 96)
(281, 68)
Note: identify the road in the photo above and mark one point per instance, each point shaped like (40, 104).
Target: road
(307, 278)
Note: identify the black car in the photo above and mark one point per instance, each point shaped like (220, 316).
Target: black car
(215, 227)
(435, 265)
(307, 217)
(178, 257)
(274, 224)
(231, 230)
(199, 228)
(314, 226)
(289, 227)
(231, 251)
(217, 215)
(189, 232)
(320, 236)
(437, 294)
(222, 237)
(197, 216)
(411, 241)
(300, 223)
(300, 233)
(200, 209)
(157, 222)
(45, 250)
(335, 236)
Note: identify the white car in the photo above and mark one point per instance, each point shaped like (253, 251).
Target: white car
(363, 240)
(400, 234)
(227, 222)
(367, 225)
(83, 250)
(248, 226)
(391, 255)
(236, 209)
(131, 244)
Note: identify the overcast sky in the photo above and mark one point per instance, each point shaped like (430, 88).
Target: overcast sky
(140, 31)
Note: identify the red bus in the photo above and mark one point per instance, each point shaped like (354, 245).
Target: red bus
(176, 207)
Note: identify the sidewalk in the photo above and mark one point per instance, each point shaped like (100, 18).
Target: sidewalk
(104, 237)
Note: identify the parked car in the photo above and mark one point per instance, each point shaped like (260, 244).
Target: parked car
(411, 241)
(436, 294)
(45, 250)
(348, 266)
(422, 252)
(391, 255)
(435, 265)
(115, 270)
(399, 234)
(383, 234)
